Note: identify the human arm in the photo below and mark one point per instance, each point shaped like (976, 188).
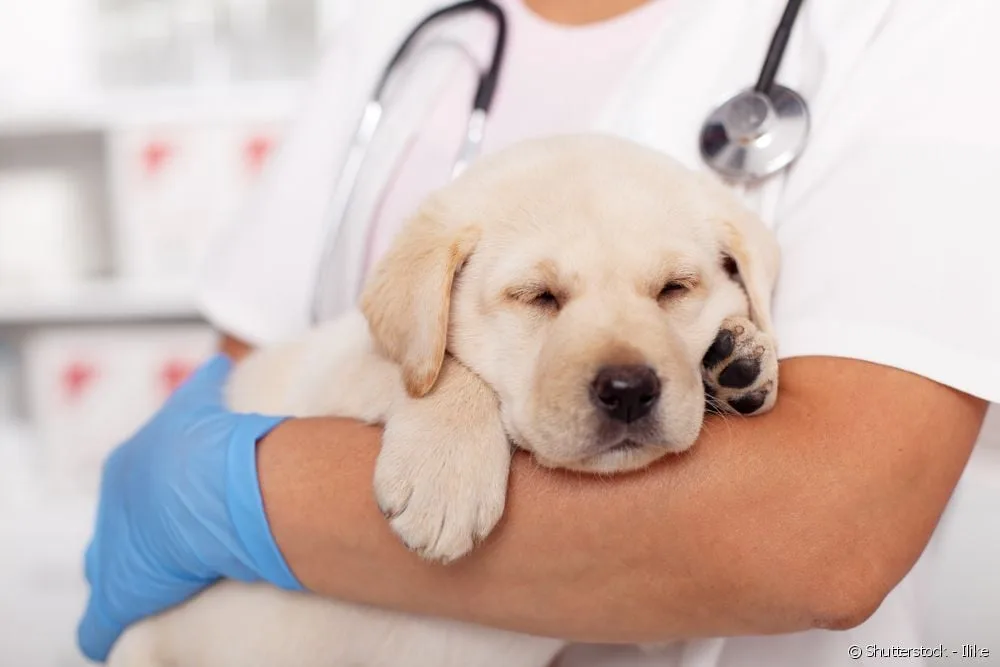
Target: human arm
(193, 497)
(805, 517)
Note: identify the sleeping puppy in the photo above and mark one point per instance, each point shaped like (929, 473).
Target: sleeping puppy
(581, 297)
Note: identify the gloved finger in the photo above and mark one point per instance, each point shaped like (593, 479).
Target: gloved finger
(96, 633)
(111, 474)
(90, 563)
(205, 385)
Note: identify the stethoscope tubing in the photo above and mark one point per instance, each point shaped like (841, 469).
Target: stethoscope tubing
(782, 105)
(371, 119)
(776, 50)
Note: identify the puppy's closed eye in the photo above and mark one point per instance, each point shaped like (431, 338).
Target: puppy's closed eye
(673, 288)
(536, 295)
(677, 286)
(546, 300)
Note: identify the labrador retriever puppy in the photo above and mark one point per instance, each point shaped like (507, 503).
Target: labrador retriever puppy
(580, 297)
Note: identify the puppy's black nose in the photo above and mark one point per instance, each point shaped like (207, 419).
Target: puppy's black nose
(625, 393)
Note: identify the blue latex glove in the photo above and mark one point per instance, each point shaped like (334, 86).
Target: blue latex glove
(179, 508)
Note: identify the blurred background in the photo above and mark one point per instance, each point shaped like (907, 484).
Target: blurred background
(129, 131)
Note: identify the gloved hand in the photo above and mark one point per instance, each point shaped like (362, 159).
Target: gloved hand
(179, 508)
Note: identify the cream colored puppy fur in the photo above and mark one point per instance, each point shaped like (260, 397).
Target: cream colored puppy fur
(485, 325)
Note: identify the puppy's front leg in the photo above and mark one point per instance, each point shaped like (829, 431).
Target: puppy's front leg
(441, 476)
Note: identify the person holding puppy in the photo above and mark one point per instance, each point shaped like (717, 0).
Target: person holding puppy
(773, 530)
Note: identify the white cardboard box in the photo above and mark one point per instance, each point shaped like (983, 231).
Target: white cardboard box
(43, 232)
(88, 390)
(245, 149)
(174, 185)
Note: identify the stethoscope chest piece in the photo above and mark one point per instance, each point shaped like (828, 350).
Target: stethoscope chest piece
(754, 135)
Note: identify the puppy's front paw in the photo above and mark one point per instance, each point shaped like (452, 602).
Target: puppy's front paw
(442, 484)
(740, 369)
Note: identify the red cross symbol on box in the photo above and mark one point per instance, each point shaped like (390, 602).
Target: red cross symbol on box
(154, 155)
(173, 373)
(256, 151)
(75, 378)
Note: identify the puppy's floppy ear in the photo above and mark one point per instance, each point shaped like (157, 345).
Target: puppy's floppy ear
(751, 251)
(408, 297)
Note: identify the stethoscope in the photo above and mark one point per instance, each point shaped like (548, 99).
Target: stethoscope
(753, 135)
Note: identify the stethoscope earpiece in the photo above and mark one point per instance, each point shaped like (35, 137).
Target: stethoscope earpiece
(754, 135)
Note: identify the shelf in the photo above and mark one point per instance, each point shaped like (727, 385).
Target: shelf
(97, 301)
(99, 113)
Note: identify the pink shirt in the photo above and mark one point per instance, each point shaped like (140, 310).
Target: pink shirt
(555, 79)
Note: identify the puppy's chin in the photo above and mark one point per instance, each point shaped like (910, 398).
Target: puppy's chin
(601, 448)
(628, 457)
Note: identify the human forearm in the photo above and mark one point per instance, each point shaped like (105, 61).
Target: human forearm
(803, 517)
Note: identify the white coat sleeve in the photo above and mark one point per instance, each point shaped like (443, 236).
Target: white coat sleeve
(890, 247)
(257, 281)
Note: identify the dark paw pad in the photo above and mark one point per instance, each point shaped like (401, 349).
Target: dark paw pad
(721, 349)
(741, 373)
(739, 370)
(749, 404)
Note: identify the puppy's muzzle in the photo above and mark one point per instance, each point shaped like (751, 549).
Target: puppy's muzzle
(625, 394)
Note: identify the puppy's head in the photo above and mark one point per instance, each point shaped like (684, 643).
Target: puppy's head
(583, 278)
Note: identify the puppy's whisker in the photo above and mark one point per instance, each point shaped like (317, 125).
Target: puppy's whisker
(724, 420)
(723, 410)
(722, 417)
(717, 406)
